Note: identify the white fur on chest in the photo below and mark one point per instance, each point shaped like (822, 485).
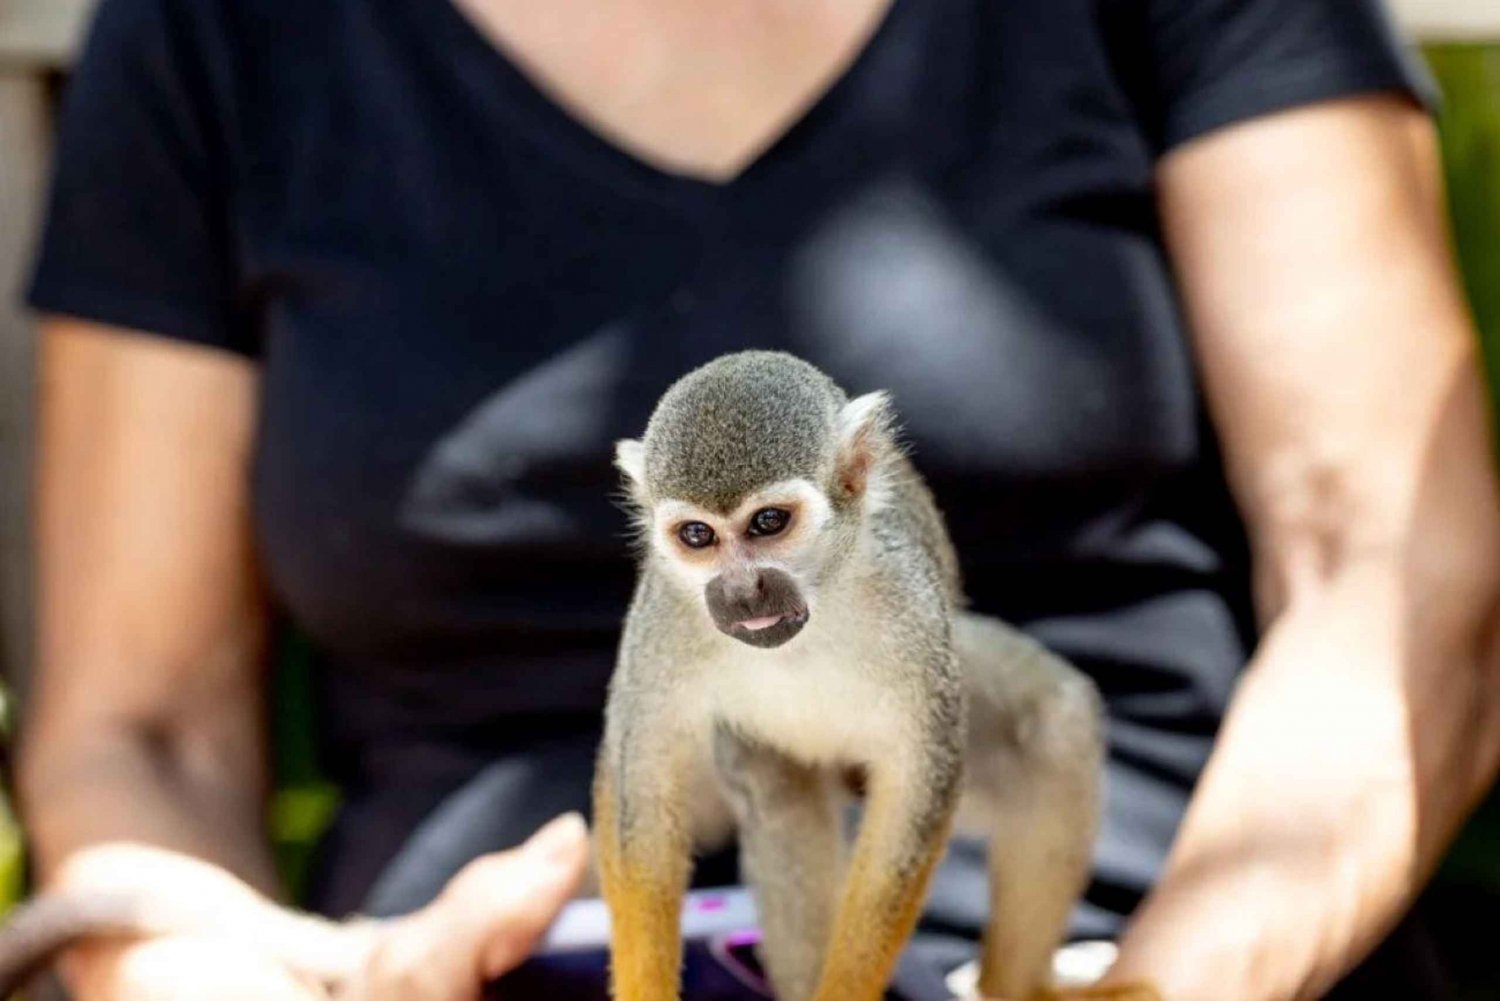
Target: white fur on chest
(818, 698)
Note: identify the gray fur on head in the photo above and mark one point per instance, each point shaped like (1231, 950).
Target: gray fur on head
(736, 424)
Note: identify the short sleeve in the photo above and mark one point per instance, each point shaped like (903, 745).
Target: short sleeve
(137, 229)
(1209, 63)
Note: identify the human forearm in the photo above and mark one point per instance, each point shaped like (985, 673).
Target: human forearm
(91, 798)
(1360, 737)
(1338, 364)
(145, 719)
(123, 783)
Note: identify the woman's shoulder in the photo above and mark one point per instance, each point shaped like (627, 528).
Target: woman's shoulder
(1192, 66)
(194, 33)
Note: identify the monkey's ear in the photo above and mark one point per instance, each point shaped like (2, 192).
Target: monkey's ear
(866, 438)
(630, 459)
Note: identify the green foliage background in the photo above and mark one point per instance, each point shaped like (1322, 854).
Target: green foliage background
(1466, 894)
(1470, 78)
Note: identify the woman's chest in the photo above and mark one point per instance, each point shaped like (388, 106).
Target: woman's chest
(465, 296)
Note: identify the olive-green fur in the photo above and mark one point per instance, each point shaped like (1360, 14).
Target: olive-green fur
(739, 423)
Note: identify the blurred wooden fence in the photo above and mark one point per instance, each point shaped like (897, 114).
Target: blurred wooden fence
(37, 37)
(1449, 20)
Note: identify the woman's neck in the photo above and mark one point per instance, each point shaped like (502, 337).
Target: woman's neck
(694, 88)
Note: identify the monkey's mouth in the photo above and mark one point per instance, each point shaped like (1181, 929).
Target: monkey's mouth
(769, 630)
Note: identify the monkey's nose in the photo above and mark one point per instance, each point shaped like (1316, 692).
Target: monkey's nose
(743, 592)
(759, 606)
(748, 589)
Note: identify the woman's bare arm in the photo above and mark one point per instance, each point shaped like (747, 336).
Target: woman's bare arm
(1340, 367)
(146, 723)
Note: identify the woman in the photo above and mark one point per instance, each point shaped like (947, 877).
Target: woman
(347, 300)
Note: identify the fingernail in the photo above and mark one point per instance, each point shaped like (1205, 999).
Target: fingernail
(559, 839)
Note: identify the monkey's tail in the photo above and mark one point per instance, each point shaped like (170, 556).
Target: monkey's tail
(37, 931)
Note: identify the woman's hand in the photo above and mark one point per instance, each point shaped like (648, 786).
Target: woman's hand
(229, 943)
(184, 968)
(485, 922)
(1119, 992)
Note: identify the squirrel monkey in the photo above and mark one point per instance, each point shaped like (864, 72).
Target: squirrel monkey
(796, 635)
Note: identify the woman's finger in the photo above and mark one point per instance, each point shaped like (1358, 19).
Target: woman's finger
(486, 921)
(513, 897)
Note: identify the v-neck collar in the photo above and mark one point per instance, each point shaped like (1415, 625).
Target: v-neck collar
(572, 139)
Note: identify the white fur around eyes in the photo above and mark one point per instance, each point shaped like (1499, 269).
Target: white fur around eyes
(813, 513)
(671, 513)
(810, 502)
(693, 576)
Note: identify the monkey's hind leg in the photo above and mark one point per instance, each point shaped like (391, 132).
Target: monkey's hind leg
(792, 850)
(1034, 765)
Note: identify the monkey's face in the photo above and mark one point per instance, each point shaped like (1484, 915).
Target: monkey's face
(754, 566)
(750, 487)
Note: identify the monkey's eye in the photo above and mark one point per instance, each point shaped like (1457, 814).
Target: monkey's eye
(696, 535)
(768, 521)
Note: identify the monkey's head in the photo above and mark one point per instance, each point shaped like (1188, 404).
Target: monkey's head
(751, 485)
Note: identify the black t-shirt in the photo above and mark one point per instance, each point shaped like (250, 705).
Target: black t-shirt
(459, 297)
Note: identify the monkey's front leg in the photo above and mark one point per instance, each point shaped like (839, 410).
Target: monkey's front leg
(792, 851)
(908, 812)
(643, 839)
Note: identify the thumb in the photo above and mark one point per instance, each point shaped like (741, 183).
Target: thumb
(486, 920)
(523, 890)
